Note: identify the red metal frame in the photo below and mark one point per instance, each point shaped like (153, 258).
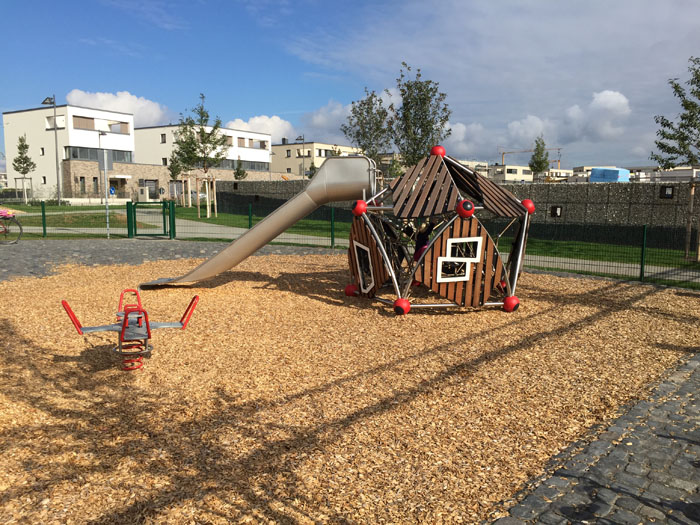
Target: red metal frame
(129, 309)
(189, 311)
(121, 299)
(76, 323)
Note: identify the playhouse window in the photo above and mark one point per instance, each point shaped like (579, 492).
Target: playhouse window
(364, 267)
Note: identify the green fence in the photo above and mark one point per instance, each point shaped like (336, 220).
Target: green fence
(651, 254)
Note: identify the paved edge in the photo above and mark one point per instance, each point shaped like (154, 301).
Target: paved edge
(644, 467)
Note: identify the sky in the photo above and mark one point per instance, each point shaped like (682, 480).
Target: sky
(589, 76)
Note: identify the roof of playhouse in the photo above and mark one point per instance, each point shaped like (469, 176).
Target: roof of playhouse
(436, 184)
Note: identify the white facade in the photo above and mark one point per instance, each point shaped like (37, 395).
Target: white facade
(81, 132)
(154, 145)
(510, 173)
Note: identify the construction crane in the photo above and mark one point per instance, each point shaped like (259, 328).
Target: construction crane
(504, 153)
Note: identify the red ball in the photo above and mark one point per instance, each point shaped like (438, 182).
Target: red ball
(465, 209)
(529, 206)
(402, 306)
(511, 304)
(438, 150)
(351, 290)
(359, 208)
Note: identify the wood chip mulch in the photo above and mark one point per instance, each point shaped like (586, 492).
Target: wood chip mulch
(285, 401)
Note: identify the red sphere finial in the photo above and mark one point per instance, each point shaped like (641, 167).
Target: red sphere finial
(511, 304)
(351, 290)
(359, 208)
(465, 208)
(529, 206)
(438, 150)
(402, 306)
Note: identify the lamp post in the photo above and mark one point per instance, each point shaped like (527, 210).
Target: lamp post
(51, 101)
(303, 169)
(106, 180)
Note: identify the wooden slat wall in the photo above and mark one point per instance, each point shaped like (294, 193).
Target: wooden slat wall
(494, 198)
(425, 190)
(360, 233)
(484, 276)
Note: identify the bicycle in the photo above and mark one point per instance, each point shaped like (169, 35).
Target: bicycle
(10, 227)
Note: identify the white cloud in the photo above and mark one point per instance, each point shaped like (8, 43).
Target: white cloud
(522, 133)
(274, 125)
(600, 121)
(466, 140)
(146, 112)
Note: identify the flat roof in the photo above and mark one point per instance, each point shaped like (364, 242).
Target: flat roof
(65, 106)
(222, 127)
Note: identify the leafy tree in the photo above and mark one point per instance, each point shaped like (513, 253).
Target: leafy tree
(367, 126)
(539, 162)
(312, 170)
(420, 122)
(23, 163)
(679, 142)
(239, 173)
(175, 167)
(198, 142)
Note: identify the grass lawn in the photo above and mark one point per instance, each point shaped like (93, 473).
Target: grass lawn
(313, 227)
(79, 220)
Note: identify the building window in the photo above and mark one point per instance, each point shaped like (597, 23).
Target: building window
(119, 127)
(511, 170)
(162, 138)
(83, 122)
(229, 140)
(41, 152)
(289, 153)
(164, 160)
(82, 185)
(43, 180)
(289, 170)
(241, 142)
(95, 185)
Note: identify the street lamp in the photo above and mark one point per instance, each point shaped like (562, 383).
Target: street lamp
(303, 170)
(51, 101)
(106, 180)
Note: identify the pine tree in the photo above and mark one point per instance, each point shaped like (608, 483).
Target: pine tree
(679, 143)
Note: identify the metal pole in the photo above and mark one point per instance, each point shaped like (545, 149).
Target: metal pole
(104, 156)
(332, 227)
(644, 249)
(55, 138)
(519, 260)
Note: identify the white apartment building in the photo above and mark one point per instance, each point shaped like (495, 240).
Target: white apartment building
(479, 166)
(81, 133)
(155, 144)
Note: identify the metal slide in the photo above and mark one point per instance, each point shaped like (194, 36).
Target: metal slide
(338, 179)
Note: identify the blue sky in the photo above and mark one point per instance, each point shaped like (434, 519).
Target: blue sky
(588, 75)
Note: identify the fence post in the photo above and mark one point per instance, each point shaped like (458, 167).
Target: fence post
(332, 227)
(43, 218)
(644, 249)
(130, 219)
(171, 210)
(250, 215)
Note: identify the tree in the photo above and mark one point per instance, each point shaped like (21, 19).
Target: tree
(679, 142)
(539, 162)
(239, 173)
(175, 167)
(312, 169)
(367, 126)
(199, 140)
(23, 163)
(421, 121)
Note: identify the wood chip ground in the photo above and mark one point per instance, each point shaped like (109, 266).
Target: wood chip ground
(286, 402)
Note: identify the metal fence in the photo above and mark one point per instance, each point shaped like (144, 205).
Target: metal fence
(652, 254)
